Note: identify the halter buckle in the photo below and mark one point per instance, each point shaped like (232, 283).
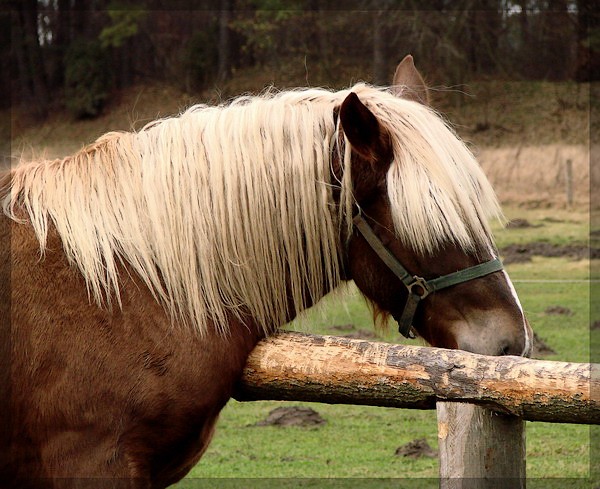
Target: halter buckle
(418, 287)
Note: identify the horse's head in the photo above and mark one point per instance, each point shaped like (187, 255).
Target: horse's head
(419, 247)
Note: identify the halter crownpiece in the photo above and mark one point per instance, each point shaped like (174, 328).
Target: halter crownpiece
(419, 288)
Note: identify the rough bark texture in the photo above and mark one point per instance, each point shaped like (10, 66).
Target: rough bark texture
(479, 449)
(300, 367)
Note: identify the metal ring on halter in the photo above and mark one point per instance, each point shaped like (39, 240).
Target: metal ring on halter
(421, 283)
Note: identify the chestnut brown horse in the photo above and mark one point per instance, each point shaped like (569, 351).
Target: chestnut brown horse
(147, 266)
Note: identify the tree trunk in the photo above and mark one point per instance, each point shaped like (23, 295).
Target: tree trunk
(224, 48)
(379, 61)
(25, 88)
(320, 48)
(587, 65)
(60, 42)
(557, 40)
(33, 57)
(484, 27)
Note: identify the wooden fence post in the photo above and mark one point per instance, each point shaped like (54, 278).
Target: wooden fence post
(301, 367)
(479, 449)
(569, 181)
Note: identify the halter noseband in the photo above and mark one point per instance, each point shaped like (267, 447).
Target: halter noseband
(419, 288)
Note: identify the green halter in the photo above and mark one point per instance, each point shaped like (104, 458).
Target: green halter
(418, 287)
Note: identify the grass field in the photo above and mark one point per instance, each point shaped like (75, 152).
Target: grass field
(360, 442)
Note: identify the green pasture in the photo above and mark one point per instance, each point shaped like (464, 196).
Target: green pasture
(360, 442)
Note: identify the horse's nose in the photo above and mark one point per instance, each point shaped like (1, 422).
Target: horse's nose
(520, 345)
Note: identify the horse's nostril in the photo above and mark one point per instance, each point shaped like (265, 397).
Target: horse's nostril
(510, 348)
(506, 348)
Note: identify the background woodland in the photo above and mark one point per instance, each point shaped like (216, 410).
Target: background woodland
(74, 54)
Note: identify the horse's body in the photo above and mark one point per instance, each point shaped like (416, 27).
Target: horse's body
(108, 394)
(163, 265)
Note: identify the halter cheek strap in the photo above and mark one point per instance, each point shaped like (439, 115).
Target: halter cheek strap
(419, 288)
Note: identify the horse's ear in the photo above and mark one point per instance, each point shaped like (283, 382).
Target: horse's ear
(363, 130)
(408, 82)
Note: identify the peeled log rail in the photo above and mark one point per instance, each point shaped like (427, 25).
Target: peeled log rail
(302, 367)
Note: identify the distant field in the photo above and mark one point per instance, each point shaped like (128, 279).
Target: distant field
(536, 176)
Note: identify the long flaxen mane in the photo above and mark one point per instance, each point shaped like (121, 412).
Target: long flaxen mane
(225, 211)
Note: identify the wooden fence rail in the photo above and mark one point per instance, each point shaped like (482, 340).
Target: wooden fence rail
(301, 367)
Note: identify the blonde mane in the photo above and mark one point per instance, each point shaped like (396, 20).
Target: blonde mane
(226, 210)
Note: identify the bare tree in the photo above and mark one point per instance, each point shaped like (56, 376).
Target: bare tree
(30, 58)
(224, 45)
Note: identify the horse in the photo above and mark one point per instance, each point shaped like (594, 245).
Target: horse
(145, 267)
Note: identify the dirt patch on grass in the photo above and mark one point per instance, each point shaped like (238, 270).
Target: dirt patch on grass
(362, 334)
(519, 223)
(292, 416)
(558, 311)
(540, 347)
(343, 327)
(520, 253)
(418, 448)
(351, 331)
